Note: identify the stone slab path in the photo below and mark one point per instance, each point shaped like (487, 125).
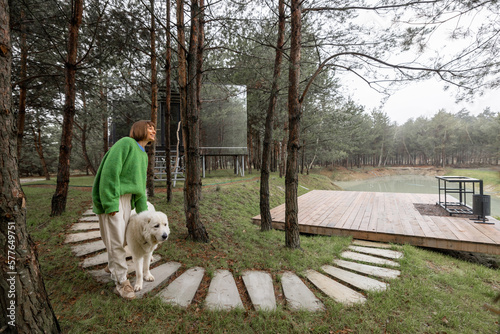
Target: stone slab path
(89, 218)
(298, 295)
(368, 258)
(363, 267)
(359, 281)
(77, 237)
(85, 226)
(368, 269)
(161, 274)
(103, 277)
(335, 290)
(260, 288)
(88, 248)
(182, 290)
(223, 293)
(375, 251)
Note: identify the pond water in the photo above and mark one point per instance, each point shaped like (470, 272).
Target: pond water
(417, 184)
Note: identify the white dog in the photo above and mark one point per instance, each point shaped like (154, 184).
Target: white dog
(144, 232)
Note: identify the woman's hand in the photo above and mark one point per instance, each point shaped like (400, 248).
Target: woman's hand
(112, 213)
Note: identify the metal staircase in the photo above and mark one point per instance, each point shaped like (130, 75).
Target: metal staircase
(176, 166)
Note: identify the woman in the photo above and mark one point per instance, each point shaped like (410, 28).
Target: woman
(119, 187)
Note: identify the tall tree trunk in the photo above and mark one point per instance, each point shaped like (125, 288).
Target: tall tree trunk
(22, 87)
(283, 151)
(381, 154)
(63, 169)
(150, 185)
(292, 237)
(37, 139)
(182, 67)
(190, 119)
(23, 300)
(303, 158)
(168, 97)
(265, 213)
(250, 147)
(104, 110)
(192, 186)
(83, 138)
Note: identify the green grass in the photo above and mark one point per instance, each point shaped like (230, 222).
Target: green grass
(490, 178)
(435, 293)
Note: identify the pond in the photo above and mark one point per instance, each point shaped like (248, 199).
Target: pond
(417, 184)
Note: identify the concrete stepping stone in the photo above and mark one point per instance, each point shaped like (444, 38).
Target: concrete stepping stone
(374, 244)
(89, 219)
(182, 290)
(335, 290)
(99, 259)
(95, 260)
(103, 277)
(88, 248)
(77, 237)
(368, 269)
(89, 212)
(259, 285)
(85, 226)
(161, 273)
(297, 294)
(379, 252)
(359, 281)
(368, 258)
(223, 293)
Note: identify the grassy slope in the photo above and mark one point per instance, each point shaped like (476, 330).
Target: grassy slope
(435, 293)
(490, 178)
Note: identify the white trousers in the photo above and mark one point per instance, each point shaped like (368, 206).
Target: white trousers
(113, 235)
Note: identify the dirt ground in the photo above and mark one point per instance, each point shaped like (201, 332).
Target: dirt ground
(344, 174)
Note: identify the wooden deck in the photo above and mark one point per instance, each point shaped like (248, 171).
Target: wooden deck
(388, 217)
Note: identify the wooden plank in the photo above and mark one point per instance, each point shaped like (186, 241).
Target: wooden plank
(344, 201)
(365, 210)
(394, 218)
(328, 216)
(405, 215)
(400, 220)
(372, 224)
(316, 208)
(370, 210)
(491, 231)
(388, 217)
(346, 219)
(371, 244)
(467, 231)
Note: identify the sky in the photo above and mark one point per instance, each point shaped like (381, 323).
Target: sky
(427, 97)
(424, 98)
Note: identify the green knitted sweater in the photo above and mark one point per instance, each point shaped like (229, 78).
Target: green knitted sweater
(123, 170)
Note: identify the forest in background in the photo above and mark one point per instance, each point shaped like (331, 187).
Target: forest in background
(113, 81)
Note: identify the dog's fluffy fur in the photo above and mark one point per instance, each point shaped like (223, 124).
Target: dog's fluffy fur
(144, 232)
